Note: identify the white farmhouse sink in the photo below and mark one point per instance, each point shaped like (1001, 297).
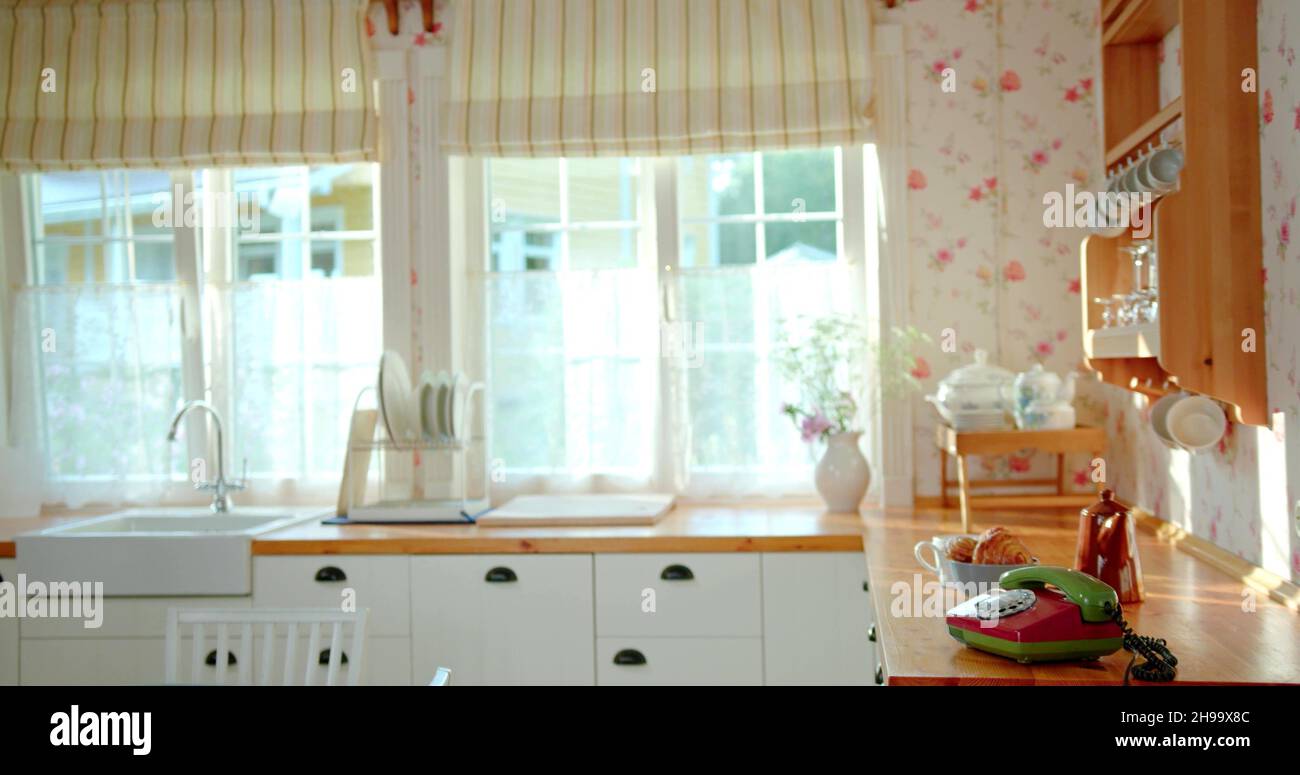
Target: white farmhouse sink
(166, 552)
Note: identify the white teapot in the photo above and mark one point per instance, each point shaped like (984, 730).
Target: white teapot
(1040, 400)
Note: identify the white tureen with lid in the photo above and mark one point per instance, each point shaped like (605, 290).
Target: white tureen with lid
(972, 397)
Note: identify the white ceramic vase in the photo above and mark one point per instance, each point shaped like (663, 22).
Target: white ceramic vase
(842, 474)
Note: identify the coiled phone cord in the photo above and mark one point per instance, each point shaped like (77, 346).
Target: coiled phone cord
(1160, 664)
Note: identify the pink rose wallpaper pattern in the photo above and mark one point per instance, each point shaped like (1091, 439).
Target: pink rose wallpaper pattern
(1023, 121)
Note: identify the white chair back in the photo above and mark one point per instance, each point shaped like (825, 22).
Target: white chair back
(276, 635)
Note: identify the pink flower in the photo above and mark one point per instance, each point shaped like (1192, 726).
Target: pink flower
(1014, 271)
(1268, 106)
(976, 194)
(1009, 81)
(1074, 286)
(415, 280)
(916, 180)
(990, 183)
(813, 426)
(1061, 334)
(1297, 118)
(1039, 158)
(1086, 83)
(921, 369)
(1018, 464)
(1081, 478)
(972, 6)
(1044, 348)
(944, 256)
(961, 242)
(1072, 94)
(939, 66)
(1056, 144)
(1284, 233)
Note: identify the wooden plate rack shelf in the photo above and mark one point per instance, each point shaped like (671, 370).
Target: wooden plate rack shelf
(1209, 338)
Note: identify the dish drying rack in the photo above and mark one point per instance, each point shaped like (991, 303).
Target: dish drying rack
(440, 479)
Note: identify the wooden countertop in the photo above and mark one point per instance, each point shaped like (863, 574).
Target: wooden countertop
(687, 528)
(1197, 608)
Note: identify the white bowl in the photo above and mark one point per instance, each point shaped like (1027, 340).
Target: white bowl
(1196, 423)
(1159, 418)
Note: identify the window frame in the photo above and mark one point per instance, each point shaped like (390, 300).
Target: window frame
(659, 211)
(205, 260)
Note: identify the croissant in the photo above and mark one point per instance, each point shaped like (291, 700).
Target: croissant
(999, 546)
(960, 549)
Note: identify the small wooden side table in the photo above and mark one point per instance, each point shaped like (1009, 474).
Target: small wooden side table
(950, 442)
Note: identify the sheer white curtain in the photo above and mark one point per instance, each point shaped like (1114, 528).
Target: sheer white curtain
(736, 441)
(97, 376)
(571, 359)
(299, 353)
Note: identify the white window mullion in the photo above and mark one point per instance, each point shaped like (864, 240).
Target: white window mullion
(189, 274)
(577, 403)
(220, 251)
(128, 227)
(660, 214)
(305, 438)
(763, 411)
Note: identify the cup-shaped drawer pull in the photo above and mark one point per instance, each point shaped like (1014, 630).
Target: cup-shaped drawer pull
(629, 657)
(871, 633)
(500, 575)
(211, 660)
(677, 573)
(325, 657)
(331, 573)
(880, 674)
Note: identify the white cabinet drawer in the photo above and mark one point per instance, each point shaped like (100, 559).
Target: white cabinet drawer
(8, 631)
(679, 661)
(678, 595)
(387, 660)
(125, 617)
(817, 619)
(503, 619)
(141, 661)
(380, 583)
(108, 662)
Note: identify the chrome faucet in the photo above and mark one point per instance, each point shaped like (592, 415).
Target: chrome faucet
(220, 488)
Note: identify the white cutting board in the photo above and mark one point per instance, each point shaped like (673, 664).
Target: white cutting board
(571, 510)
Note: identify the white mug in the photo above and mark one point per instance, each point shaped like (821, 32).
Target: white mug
(934, 546)
(1161, 169)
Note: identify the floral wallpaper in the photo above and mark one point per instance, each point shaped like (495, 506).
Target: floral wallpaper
(1017, 122)
(1023, 121)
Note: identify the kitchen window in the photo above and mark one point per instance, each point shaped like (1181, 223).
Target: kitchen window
(256, 289)
(631, 307)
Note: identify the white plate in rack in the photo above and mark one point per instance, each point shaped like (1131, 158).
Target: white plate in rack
(397, 403)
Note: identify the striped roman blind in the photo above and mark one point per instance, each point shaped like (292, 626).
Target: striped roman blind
(183, 83)
(656, 77)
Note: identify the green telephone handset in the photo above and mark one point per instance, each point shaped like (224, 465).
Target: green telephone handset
(1096, 600)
